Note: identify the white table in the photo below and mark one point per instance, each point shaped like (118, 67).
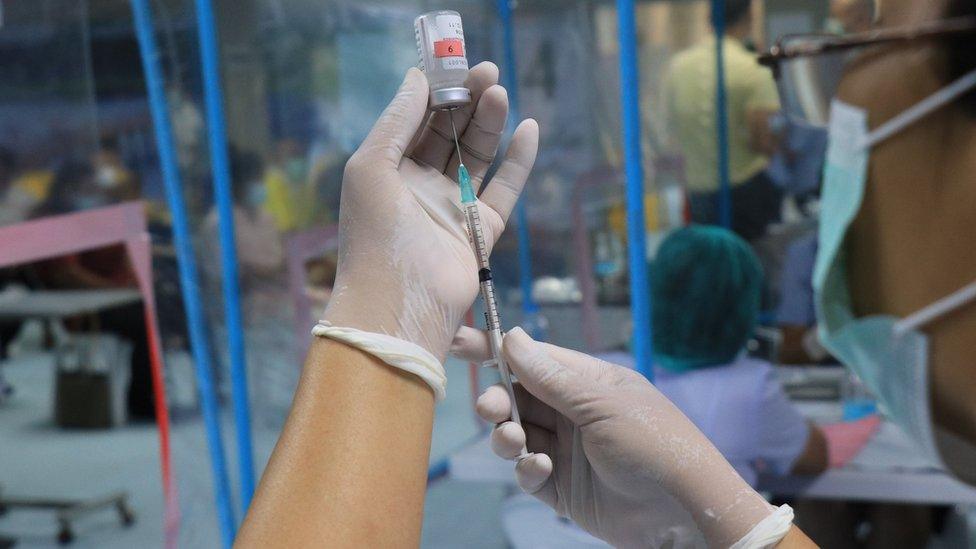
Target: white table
(890, 468)
(63, 303)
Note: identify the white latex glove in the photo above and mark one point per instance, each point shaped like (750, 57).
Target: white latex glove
(613, 453)
(406, 268)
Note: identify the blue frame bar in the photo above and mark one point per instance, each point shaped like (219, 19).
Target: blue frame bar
(721, 117)
(220, 168)
(640, 295)
(189, 284)
(529, 306)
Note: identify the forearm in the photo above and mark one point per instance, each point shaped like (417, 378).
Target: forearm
(796, 539)
(792, 351)
(815, 457)
(350, 468)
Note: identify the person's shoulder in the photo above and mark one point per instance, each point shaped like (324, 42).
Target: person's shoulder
(742, 369)
(690, 57)
(753, 368)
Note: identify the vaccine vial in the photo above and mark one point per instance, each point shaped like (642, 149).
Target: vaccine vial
(440, 42)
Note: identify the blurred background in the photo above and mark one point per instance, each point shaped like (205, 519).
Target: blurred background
(90, 281)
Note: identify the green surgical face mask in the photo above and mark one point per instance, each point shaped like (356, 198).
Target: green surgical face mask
(890, 354)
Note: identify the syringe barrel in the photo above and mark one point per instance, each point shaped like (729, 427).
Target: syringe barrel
(476, 233)
(477, 237)
(440, 42)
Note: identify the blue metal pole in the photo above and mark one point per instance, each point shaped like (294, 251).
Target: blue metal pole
(521, 220)
(217, 137)
(721, 116)
(159, 110)
(640, 298)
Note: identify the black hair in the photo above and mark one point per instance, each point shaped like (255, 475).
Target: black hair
(734, 11)
(961, 54)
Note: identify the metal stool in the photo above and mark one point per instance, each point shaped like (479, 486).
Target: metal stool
(69, 510)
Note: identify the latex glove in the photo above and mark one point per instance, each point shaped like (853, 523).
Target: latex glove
(613, 453)
(406, 268)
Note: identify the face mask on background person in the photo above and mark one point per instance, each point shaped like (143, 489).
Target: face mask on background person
(890, 354)
(296, 169)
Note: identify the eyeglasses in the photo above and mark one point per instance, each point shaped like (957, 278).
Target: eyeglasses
(808, 67)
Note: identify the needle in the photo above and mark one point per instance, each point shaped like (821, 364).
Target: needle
(457, 144)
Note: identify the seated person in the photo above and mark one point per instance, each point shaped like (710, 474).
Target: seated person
(75, 188)
(795, 315)
(706, 285)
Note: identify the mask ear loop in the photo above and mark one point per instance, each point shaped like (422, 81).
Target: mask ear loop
(936, 310)
(919, 110)
(908, 117)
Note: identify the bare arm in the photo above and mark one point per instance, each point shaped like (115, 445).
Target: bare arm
(762, 138)
(350, 468)
(796, 539)
(791, 350)
(814, 458)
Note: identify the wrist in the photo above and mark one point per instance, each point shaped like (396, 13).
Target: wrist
(722, 504)
(395, 352)
(370, 312)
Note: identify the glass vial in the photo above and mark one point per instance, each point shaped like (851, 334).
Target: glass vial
(440, 42)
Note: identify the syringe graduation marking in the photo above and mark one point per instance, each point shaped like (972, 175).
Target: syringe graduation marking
(470, 204)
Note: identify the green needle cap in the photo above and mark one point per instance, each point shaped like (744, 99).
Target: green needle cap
(464, 179)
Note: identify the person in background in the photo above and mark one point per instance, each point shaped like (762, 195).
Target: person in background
(111, 174)
(795, 314)
(75, 188)
(259, 248)
(26, 183)
(260, 257)
(290, 191)
(15, 202)
(752, 101)
(706, 291)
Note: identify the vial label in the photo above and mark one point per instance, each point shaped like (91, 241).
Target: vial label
(449, 47)
(448, 42)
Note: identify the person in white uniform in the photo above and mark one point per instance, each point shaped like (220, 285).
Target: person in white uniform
(706, 285)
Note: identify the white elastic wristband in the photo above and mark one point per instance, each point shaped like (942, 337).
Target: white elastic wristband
(769, 531)
(395, 352)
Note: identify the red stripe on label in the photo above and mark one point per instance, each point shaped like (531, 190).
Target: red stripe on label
(449, 47)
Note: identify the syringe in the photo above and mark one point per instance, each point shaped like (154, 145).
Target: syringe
(469, 203)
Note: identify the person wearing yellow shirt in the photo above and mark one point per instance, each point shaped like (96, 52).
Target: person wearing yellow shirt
(291, 195)
(752, 100)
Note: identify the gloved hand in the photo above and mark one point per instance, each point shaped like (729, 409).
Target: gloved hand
(612, 452)
(406, 268)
